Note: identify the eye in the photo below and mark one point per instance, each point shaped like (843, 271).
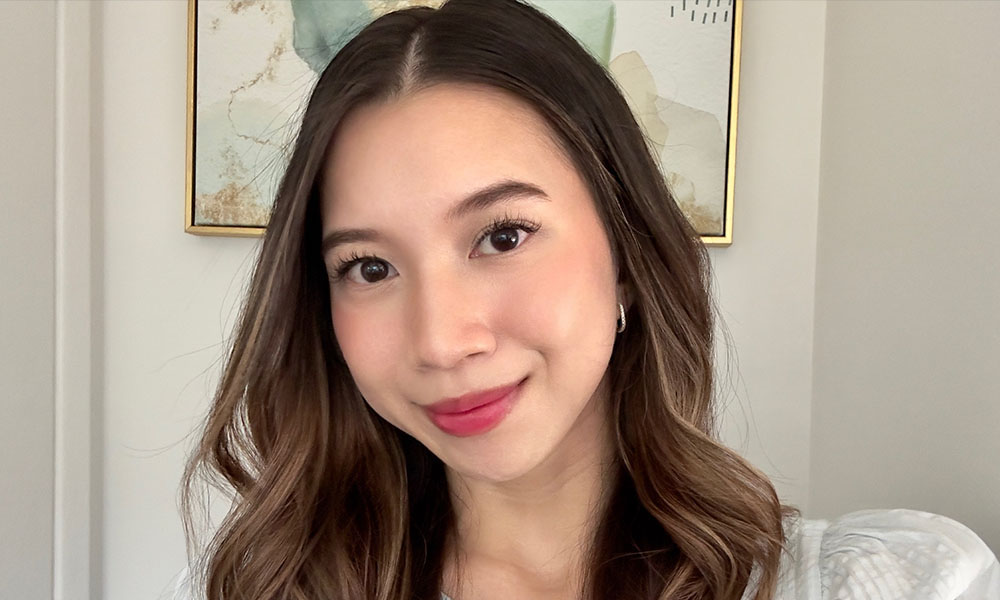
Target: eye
(364, 270)
(504, 235)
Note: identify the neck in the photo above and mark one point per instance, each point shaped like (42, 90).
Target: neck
(539, 527)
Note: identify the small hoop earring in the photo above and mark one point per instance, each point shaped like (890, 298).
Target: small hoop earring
(621, 317)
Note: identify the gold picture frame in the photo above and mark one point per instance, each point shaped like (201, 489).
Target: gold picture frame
(684, 10)
(190, 226)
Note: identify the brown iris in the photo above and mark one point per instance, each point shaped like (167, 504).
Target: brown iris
(374, 270)
(504, 239)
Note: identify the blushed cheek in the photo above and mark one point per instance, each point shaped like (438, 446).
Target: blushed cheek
(369, 343)
(367, 340)
(567, 300)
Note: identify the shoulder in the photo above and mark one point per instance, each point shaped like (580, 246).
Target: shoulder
(886, 554)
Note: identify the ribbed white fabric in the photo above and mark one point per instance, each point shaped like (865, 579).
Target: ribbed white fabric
(887, 555)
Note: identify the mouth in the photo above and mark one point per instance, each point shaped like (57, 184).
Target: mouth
(475, 413)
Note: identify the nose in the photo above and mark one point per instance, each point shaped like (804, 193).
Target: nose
(449, 321)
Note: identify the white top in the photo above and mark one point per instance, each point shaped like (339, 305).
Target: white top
(886, 555)
(873, 555)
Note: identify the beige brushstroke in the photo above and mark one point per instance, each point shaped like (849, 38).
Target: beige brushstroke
(238, 6)
(230, 206)
(234, 204)
(682, 137)
(266, 74)
(381, 7)
(266, 8)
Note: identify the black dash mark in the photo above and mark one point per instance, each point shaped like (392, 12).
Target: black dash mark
(725, 16)
(713, 16)
(671, 11)
(692, 16)
(704, 18)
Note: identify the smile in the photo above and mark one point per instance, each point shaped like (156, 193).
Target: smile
(475, 413)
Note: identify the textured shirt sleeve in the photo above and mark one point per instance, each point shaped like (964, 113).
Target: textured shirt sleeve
(905, 555)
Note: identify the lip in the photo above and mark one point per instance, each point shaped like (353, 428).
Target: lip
(474, 413)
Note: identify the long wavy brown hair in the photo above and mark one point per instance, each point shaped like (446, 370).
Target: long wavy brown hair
(330, 502)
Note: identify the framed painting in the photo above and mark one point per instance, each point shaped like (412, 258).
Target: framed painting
(253, 63)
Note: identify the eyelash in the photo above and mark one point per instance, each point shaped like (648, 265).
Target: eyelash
(500, 223)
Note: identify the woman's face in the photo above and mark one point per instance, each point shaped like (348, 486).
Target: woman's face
(472, 285)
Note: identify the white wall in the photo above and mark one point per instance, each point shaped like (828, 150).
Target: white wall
(906, 405)
(766, 278)
(167, 295)
(27, 311)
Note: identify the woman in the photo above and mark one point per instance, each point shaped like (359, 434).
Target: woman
(475, 360)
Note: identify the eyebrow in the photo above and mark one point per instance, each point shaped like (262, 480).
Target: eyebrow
(481, 199)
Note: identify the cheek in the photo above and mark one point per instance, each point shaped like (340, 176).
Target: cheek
(567, 301)
(369, 341)
(352, 330)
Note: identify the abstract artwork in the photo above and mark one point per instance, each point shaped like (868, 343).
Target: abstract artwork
(253, 63)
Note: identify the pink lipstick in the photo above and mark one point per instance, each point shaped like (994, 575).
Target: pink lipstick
(475, 413)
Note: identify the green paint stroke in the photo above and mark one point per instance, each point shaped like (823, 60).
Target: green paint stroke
(321, 27)
(592, 23)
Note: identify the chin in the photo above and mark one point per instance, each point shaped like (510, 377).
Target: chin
(495, 467)
(504, 455)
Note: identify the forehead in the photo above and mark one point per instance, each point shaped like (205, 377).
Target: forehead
(432, 147)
